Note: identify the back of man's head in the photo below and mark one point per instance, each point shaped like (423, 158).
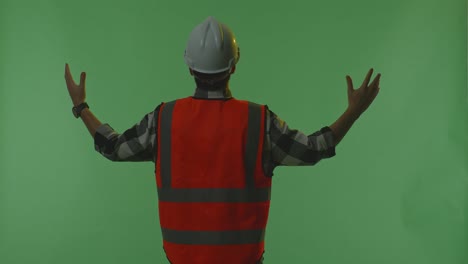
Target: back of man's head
(211, 54)
(211, 82)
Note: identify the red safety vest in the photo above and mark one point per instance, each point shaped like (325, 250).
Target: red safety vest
(214, 196)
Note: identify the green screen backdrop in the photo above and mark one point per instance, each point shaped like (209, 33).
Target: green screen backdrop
(395, 193)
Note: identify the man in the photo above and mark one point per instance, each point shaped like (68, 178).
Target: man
(215, 155)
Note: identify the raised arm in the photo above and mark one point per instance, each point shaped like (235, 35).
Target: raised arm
(78, 96)
(358, 102)
(91, 121)
(291, 147)
(135, 144)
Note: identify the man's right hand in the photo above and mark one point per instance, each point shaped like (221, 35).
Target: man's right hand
(77, 92)
(360, 99)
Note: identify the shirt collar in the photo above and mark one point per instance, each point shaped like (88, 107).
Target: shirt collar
(220, 94)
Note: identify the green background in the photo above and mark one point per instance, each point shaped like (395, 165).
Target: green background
(396, 192)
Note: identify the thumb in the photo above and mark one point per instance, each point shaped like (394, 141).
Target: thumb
(350, 84)
(83, 79)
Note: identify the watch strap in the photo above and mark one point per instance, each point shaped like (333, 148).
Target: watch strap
(77, 109)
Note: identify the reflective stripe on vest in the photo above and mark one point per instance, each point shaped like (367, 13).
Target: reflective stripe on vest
(249, 194)
(214, 237)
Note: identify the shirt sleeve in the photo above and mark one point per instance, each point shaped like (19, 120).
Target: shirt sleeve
(135, 144)
(291, 147)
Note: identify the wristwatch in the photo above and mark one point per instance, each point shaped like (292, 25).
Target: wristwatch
(77, 109)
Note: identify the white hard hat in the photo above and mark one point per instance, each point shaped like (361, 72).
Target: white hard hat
(211, 48)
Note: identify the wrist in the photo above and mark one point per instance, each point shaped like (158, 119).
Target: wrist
(353, 113)
(78, 103)
(79, 108)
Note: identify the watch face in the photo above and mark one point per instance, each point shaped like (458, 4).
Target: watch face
(74, 112)
(77, 109)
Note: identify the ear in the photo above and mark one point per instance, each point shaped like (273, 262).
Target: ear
(233, 69)
(191, 72)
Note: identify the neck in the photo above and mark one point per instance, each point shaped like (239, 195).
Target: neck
(219, 93)
(202, 86)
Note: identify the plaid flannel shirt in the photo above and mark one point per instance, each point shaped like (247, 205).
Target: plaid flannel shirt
(282, 145)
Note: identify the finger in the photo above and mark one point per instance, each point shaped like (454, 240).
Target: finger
(375, 82)
(366, 81)
(350, 84)
(67, 70)
(83, 79)
(374, 95)
(68, 76)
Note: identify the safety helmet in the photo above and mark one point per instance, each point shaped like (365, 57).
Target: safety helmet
(211, 48)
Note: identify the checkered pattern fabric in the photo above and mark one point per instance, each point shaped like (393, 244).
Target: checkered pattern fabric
(282, 147)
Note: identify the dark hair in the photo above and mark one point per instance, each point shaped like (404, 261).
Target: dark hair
(203, 80)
